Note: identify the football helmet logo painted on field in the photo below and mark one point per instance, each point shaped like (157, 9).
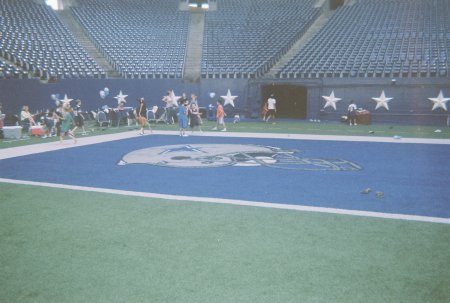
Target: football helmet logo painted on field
(218, 155)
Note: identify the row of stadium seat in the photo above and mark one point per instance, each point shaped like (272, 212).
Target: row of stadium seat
(142, 39)
(8, 71)
(242, 39)
(242, 31)
(378, 38)
(35, 39)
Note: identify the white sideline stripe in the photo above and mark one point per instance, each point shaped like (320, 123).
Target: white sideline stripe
(31, 149)
(236, 202)
(6, 153)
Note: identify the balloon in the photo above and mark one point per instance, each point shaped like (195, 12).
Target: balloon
(212, 95)
(106, 90)
(102, 94)
(53, 96)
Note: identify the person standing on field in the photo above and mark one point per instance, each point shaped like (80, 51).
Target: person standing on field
(271, 108)
(220, 117)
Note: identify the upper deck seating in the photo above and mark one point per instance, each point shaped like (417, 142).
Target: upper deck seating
(379, 38)
(34, 38)
(139, 38)
(246, 38)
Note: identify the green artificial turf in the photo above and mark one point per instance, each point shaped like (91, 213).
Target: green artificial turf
(282, 126)
(73, 246)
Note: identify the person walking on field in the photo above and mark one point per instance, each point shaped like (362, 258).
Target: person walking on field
(141, 115)
(183, 117)
(351, 113)
(264, 110)
(194, 117)
(271, 108)
(78, 117)
(66, 124)
(220, 117)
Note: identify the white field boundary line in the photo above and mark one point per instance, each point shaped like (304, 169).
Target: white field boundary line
(6, 153)
(235, 202)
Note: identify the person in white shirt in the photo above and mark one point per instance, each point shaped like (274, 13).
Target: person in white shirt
(271, 108)
(26, 118)
(170, 108)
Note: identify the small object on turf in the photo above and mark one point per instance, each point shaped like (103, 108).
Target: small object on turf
(366, 190)
(371, 132)
(379, 194)
(438, 131)
(397, 137)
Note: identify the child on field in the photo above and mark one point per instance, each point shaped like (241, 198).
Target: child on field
(220, 116)
(183, 117)
(66, 123)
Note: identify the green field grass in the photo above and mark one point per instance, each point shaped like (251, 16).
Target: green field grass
(282, 126)
(73, 246)
(60, 245)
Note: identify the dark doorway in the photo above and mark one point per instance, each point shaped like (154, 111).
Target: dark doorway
(334, 4)
(291, 100)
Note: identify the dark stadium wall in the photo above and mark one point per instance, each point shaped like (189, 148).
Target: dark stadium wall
(37, 95)
(16, 93)
(211, 89)
(410, 102)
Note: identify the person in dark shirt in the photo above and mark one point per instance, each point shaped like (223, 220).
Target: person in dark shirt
(141, 115)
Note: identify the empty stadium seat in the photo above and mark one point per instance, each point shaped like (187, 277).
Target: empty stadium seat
(141, 39)
(380, 38)
(35, 39)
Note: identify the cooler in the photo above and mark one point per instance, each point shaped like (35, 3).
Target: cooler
(363, 117)
(12, 132)
(37, 130)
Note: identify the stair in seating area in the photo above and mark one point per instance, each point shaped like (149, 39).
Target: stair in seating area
(194, 46)
(300, 43)
(67, 17)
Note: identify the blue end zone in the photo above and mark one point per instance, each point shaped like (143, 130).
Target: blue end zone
(413, 177)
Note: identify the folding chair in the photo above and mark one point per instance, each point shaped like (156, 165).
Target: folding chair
(163, 117)
(102, 119)
(131, 118)
(151, 114)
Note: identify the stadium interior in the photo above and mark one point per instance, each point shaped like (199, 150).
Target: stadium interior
(299, 50)
(315, 204)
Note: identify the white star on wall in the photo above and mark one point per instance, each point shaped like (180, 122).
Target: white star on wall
(331, 100)
(174, 98)
(121, 97)
(66, 100)
(382, 101)
(440, 101)
(229, 99)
